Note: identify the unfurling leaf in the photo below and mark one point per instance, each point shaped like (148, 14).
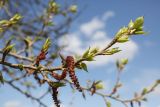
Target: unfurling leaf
(123, 39)
(121, 32)
(57, 84)
(86, 53)
(139, 32)
(84, 67)
(112, 51)
(130, 25)
(108, 104)
(99, 85)
(73, 8)
(124, 61)
(94, 51)
(53, 7)
(46, 45)
(138, 22)
(50, 23)
(15, 18)
(20, 66)
(121, 63)
(144, 91)
(7, 49)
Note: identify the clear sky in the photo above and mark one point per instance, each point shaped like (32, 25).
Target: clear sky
(96, 26)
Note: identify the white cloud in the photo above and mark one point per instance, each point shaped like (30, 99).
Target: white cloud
(95, 35)
(12, 104)
(89, 27)
(108, 15)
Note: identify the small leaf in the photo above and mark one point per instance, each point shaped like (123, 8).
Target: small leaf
(15, 18)
(90, 58)
(121, 32)
(7, 49)
(57, 84)
(84, 67)
(99, 86)
(73, 8)
(46, 45)
(20, 66)
(139, 32)
(86, 53)
(130, 25)
(123, 39)
(94, 51)
(112, 51)
(108, 104)
(53, 7)
(50, 23)
(144, 91)
(124, 61)
(138, 22)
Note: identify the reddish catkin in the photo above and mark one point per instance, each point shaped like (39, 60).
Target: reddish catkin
(59, 77)
(40, 57)
(55, 96)
(70, 67)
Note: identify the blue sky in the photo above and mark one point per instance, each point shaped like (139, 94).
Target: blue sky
(96, 26)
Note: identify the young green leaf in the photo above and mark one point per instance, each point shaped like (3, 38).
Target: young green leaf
(7, 49)
(57, 84)
(73, 8)
(130, 25)
(144, 91)
(123, 39)
(139, 32)
(124, 61)
(46, 45)
(138, 22)
(86, 53)
(99, 86)
(84, 67)
(108, 104)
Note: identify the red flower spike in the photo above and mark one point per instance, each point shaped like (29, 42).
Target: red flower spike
(59, 77)
(70, 67)
(40, 57)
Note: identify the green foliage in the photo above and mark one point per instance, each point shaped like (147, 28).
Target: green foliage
(57, 84)
(20, 66)
(53, 8)
(121, 64)
(7, 23)
(99, 85)
(8, 48)
(145, 90)
(111, 51)
(84, 66)
(73, 8)
(108, 104)
(42, 72)
(138, 23)
(46, 45)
